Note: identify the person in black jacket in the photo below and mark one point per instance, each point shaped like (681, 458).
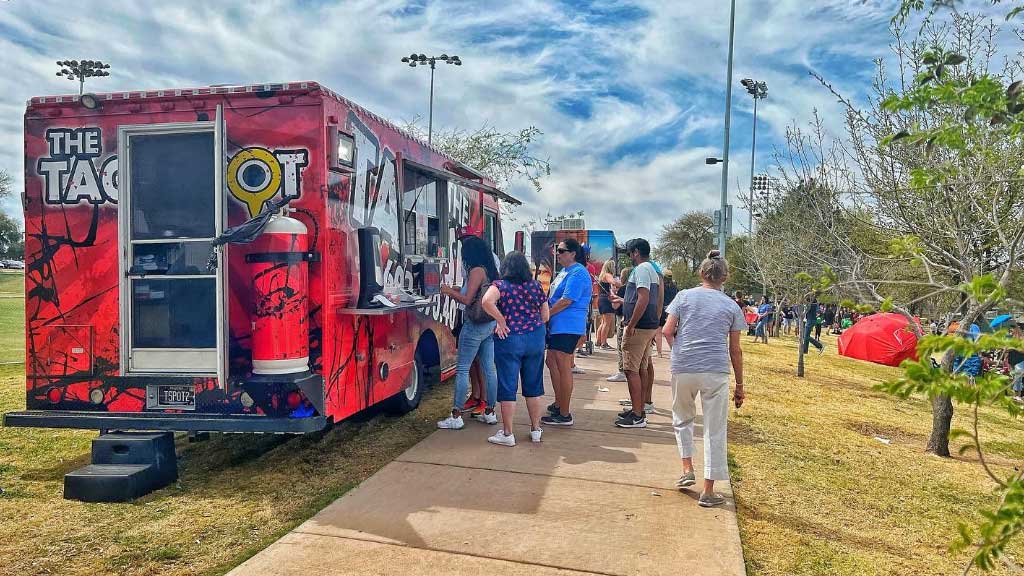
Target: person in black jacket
(670, 294)
(810, 321)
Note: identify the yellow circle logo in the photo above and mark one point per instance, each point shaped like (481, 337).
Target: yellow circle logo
(254, 176)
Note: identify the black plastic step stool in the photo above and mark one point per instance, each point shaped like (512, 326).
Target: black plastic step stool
(125, 466)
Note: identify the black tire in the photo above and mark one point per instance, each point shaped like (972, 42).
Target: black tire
(408, 399)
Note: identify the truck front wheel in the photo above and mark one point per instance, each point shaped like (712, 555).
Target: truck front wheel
(407, 400)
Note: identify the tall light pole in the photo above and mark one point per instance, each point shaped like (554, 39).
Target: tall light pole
(414, 60)
(75, 70)
(723, 233)
(758, 91)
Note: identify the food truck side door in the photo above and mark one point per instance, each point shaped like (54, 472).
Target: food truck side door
(171, 209)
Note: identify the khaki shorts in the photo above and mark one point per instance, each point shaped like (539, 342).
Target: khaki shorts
(636, 350)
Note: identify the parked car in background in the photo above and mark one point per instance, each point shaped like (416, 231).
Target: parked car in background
(14, 264)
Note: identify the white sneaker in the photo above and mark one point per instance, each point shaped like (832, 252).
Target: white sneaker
(649, 407)
(535, 435)
(577, 370)
(500, 438)
(486, 418)
(451, 423)
(620, 377)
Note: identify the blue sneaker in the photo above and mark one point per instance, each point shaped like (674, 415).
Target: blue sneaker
(557, 420)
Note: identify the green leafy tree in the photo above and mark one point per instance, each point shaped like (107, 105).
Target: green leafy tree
(686, 241)
(953, 161)
(12, 240)
(504, 157)
(932, 178)
(741, 268)
(979, 142)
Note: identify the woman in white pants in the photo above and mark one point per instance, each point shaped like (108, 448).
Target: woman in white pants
(703, 329)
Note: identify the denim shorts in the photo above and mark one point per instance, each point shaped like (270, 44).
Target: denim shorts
(520, 357)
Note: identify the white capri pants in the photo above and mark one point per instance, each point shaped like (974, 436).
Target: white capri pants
(714, 399)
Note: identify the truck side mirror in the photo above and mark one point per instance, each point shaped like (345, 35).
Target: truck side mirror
(520, 245)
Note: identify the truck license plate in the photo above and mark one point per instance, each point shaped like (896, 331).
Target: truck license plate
(171, 397)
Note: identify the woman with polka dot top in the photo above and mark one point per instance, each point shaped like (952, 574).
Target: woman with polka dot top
(519, 305)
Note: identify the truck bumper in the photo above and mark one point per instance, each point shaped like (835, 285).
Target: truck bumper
(176, 422)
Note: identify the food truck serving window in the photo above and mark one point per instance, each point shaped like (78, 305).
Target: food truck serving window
(423, 199)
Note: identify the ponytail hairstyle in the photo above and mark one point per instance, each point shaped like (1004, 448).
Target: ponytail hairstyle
(714, 269)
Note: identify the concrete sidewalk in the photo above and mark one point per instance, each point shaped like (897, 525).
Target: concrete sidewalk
(590, 499)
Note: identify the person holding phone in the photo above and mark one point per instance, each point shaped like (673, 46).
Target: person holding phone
(703, 329)
(475, 338)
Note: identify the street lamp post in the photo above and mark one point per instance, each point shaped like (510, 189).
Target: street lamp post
(758, 91)
(723, 233)
(414, 60)
(80, 70)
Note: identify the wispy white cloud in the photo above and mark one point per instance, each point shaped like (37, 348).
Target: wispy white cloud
(650, 75)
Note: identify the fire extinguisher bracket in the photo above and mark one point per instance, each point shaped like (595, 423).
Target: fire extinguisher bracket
(285, 257)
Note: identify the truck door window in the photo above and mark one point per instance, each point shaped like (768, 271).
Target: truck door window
(172, 175)
(422, 202)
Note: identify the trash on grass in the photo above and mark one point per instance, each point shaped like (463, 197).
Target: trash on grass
(883, 440)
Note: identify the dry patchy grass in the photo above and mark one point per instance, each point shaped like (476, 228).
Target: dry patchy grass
(237, 493)
(817, 493)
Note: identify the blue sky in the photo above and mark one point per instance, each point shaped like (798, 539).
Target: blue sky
(629, 94)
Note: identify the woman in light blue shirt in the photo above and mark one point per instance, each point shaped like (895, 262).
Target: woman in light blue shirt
(569, 300)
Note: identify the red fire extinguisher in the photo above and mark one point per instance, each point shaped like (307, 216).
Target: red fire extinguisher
(280, 276)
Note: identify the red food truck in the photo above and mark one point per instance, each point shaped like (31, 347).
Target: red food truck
(257, 258)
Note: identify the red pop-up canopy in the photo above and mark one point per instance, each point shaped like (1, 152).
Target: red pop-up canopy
(881, 338)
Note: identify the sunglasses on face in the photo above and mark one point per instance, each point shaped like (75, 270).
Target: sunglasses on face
(562, 250)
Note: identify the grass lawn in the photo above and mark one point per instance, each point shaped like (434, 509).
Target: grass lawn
(12, 316)
(236, 494)
(12, 283)
(818, 494)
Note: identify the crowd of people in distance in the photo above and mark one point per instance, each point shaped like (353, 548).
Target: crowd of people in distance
(512, 330)
(767, 318)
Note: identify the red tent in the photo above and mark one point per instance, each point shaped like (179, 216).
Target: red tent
(881, 338)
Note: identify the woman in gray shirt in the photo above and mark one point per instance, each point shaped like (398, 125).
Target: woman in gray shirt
(703, 329)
